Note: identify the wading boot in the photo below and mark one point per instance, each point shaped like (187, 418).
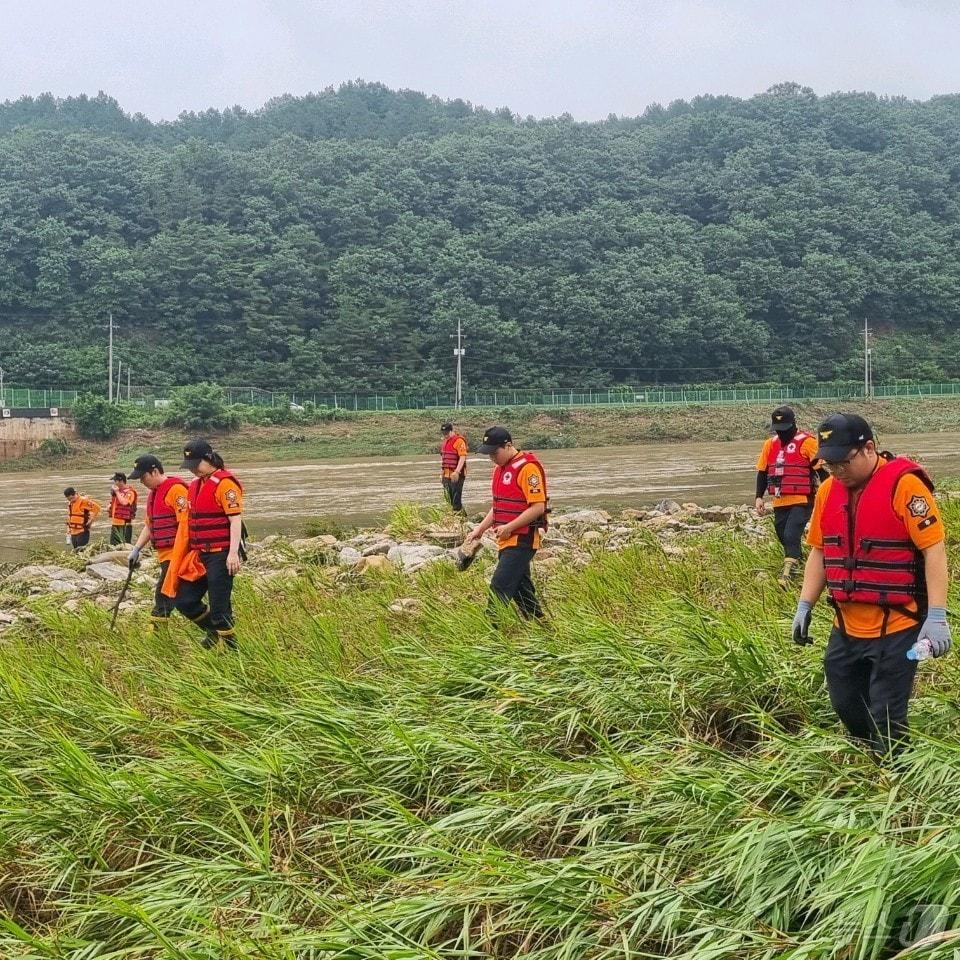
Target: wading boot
(786, 575)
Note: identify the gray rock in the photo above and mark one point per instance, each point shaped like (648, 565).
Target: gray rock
(34, 572)
(411, 557)
(586, 518)
(349, 556)
(62, 586)
(379, 548)
(670, 507)
(592, 536)
(444, 538)
(108, 571)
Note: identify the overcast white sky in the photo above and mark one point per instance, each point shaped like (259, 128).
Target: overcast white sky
(588, 57)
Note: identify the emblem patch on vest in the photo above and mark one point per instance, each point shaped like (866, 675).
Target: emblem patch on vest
(533, 481)
(232, 496)
(918, 506)
(181, 503)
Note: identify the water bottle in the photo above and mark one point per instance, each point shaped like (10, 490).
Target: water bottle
(921, 650)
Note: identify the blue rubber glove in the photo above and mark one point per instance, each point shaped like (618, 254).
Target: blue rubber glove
(801, 623)
(936, 631)
(133, 561)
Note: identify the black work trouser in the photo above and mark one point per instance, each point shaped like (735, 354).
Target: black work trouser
(79, 540)
(870, 683)
(163, 606)
(216, 615)
(121, 533)
(512, 581)
(790, 522)
(453, 491)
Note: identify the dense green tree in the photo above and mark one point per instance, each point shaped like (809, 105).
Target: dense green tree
(331, 242)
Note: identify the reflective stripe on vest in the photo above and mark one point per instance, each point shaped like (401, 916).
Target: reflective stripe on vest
(789, 472)
(161, 517)
(449, 458)
(209, 525)
(122, 511)
(509, 500)
(869, 557)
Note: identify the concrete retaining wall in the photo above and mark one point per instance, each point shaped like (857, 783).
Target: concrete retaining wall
(20, 434)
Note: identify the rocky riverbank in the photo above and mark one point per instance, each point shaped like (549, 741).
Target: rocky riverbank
(574, 538)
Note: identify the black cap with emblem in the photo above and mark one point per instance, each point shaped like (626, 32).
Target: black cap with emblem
(146, 463)
(840, 434)
(494, 439)
(195, 451)
(783, 418)
(446, 427)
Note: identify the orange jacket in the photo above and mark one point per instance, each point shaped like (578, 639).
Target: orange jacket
(81, 512)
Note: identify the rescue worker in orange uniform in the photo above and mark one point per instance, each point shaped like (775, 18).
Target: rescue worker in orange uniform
(166, 508)
(517, 518)
(453, 466)
(877, 546)
(787, 469)
(122, 510)
(81, 512)
(209, 549)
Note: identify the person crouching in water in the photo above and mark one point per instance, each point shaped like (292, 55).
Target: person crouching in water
(209, 549)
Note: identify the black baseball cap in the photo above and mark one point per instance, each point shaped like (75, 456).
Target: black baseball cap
(783, 418)
(494, 439)
(195, 451)
(446, 427)
(145, 464)
(841, 433)
(119, 477)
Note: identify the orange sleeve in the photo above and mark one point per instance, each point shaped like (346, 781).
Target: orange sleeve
(93, 507)
(764, 457)
(815, 534)
(916, 506)
(460, 445)
(176, 499)
(809, 449)
(532, 483)
(230, 497)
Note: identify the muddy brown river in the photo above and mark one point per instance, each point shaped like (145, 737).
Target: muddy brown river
(282, 497)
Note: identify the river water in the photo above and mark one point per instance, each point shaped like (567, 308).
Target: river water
(282, 497)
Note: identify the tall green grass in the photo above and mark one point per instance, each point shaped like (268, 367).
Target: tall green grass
(656, 772)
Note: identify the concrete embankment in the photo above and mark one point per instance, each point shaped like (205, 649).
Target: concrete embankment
(21, 435)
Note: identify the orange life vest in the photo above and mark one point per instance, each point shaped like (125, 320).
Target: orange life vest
(123, 511)
(449, 458)
(867, 553)
(78, 515)
(509, 500)
(789, 472)
(209, 526)
(162, 517)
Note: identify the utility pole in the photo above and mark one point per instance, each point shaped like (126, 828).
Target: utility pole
(2, 394)
(128, 383)
(119, 366)
(458, 352)
(866, 358)
(110, 362)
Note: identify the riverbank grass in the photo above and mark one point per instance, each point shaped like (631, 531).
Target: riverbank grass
(655, 772)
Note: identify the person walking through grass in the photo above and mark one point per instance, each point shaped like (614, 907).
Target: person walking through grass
(517, 519)
(877, 546)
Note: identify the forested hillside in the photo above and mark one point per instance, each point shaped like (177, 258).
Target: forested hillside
(332, 241)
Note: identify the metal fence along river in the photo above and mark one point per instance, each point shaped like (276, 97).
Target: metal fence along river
(157, 397)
